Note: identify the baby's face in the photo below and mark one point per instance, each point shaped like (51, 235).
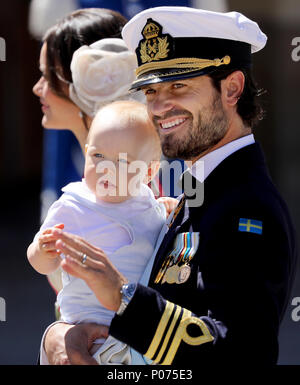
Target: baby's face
(115, 163)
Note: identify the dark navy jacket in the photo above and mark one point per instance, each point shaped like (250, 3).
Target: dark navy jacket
(229, 309)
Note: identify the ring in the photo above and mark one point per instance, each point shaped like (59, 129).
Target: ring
(84, 257)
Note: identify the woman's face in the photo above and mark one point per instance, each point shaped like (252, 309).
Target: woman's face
(59, 113)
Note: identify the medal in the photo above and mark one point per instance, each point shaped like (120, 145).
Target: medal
(183, 274)
(175, 268)
(177, 274)
(171, 274)
(163, 269)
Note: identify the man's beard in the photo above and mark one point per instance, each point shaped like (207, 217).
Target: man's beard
(208, 131)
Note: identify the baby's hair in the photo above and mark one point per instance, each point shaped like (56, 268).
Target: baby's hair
(135, 113)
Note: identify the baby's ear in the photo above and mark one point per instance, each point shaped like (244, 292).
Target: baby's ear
(153, 169)
(86, 148)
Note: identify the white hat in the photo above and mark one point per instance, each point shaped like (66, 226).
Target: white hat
(176, 42)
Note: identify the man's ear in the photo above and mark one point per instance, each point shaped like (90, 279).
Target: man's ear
(232, 87)
(152, 171)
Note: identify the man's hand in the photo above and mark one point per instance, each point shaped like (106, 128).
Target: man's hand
(70, 344)
(91, 264)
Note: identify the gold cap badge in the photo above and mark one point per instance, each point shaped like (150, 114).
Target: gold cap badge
(155, 46)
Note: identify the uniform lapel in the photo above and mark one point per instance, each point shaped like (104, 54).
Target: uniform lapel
(168, 240)
(227, 173)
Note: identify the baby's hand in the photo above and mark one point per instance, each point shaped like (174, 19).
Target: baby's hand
(47, 241)
(170, 204)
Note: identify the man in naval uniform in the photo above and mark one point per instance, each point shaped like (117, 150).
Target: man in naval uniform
(221, 277)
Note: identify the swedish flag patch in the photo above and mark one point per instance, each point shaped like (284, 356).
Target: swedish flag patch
(250, 226)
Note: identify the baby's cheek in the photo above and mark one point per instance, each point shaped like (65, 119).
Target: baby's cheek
(91, 178)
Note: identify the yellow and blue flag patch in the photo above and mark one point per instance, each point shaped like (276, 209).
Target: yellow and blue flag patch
(250, 226)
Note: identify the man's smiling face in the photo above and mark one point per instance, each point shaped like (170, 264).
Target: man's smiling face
(188, 115)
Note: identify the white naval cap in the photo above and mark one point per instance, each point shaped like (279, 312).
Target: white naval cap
(177, 42)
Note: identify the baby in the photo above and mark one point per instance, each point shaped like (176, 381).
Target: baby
(112, 208)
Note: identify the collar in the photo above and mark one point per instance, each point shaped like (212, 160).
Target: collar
(206, 164)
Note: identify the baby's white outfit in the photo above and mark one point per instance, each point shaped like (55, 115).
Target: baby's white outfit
(126, 232)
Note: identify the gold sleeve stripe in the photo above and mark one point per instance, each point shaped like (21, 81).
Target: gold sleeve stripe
(167, 337)
(182, 335)
(163, 334)
(160, 330)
